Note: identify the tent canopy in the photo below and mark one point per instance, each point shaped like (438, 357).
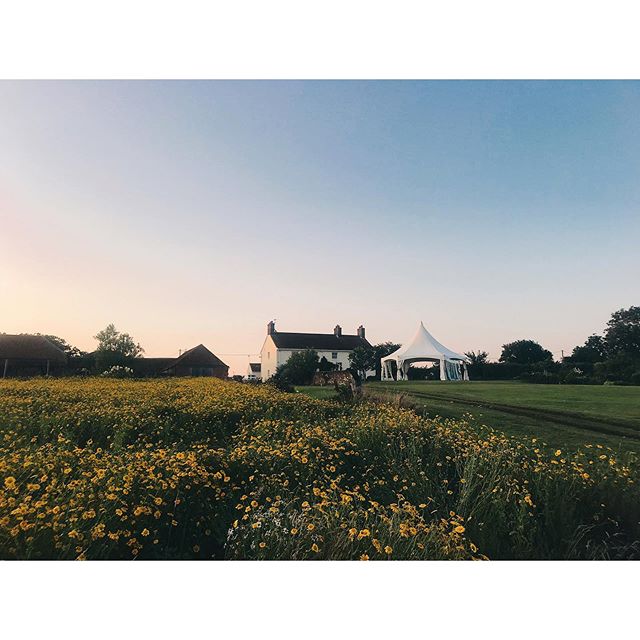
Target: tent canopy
(424, 347)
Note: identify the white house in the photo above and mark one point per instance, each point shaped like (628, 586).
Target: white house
(335, 347)
(253, 371)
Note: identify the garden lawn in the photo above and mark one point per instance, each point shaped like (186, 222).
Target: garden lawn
(562, 415)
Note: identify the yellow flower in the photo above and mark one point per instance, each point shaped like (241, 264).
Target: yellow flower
(315, 548)
(558, 452)
(364, 534)
(294, 531)
(311, 527)
(388, 550)
(364, 556)
(459, 529)
(145, 532)
(158, 500)
(10, 482)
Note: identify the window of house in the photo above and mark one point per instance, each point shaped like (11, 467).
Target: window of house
(334, 355)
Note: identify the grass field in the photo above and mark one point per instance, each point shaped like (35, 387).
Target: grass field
(561, 415)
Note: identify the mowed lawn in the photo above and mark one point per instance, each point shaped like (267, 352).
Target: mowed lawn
(560, 415)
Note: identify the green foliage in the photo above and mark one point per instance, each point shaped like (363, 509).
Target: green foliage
(324, 365)
(481, 357)
(298, 369)
(622, 336)
(593, 350)
(210, 469)
(380, 351)
(616, 355)
(115, 348)
(362, 359)
(563, 415)
(524, 352)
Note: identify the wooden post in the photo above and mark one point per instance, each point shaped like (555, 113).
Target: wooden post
(6, 366)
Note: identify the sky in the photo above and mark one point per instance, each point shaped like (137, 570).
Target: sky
(195, 212)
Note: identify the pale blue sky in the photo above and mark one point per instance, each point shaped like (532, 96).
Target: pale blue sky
(191, 212)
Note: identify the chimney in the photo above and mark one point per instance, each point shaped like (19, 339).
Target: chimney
(361, 332)
(271, 327)
(337, 332)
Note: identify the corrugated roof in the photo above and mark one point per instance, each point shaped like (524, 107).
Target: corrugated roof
(318, 341)
(27, 347)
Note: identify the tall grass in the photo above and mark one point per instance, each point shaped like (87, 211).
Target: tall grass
(208, 469)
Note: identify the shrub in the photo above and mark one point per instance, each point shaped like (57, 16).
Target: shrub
(118, 371)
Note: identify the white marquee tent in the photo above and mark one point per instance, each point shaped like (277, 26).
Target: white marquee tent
(423, 347)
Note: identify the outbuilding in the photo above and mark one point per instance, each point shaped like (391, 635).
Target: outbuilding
(198, 361)
(29, 355)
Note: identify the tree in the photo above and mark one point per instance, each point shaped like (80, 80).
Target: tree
(298, 369)
(524, 352)
(325, 365)
(115, 348)
(622, 335)
(593, 350)
(362, 359)
(482, 357)
(380, 351)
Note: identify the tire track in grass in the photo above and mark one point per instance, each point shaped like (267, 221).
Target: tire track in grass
(606, 427)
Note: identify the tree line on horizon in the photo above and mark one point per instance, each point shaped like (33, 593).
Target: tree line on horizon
(613, 357)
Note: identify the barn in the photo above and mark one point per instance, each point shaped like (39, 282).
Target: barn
(28, 355)
(198, 361)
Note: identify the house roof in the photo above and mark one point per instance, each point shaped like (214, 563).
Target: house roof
(199, 356)
(318, 341)
(255, 367)
(150, 366)
(27, 347)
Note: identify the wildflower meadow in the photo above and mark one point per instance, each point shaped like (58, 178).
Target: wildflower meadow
(210, 469)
